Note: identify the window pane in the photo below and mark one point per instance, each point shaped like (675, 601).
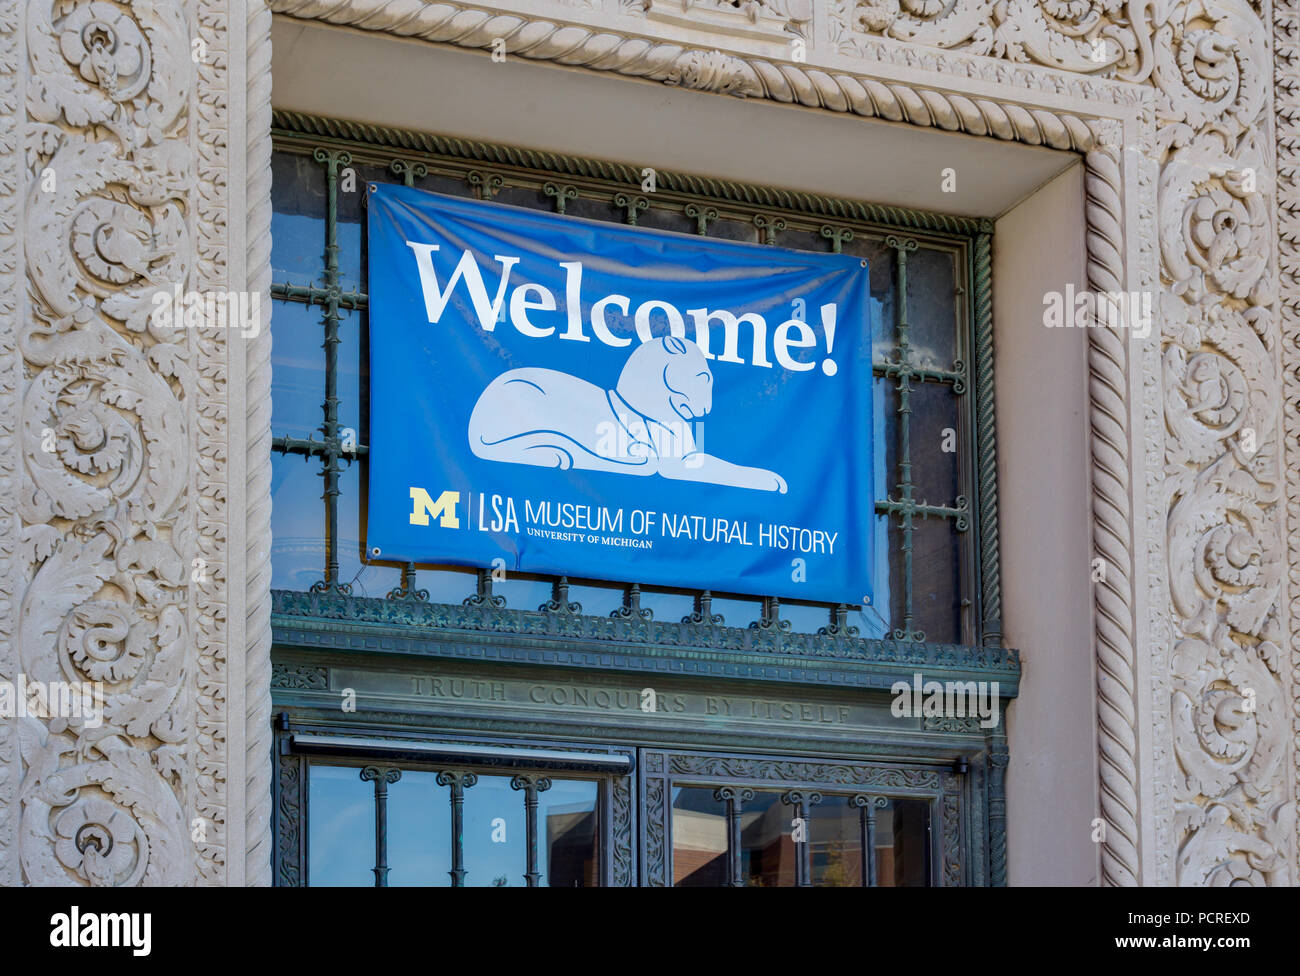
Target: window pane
(353, 376)
(340, 827)
(567, 822)
(297, 522)
(805, 618)
(352, 221)
(699, 825)
(495, 834)
(366, 578)
(446, 584)
(936, 548)
(524, 196)
(934, 428)
(903, 844)
(419, 831)
(523, 591)
(835, 833)
(669, 606)
(767, 852)
(297, 219)
(931, 315)
(297, 370)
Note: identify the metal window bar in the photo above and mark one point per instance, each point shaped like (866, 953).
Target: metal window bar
(531, 786)
(458, 784)
(867, 806)
(901, 368)
(801, 830)
(382, 777)
(980, 578)
(735, 797)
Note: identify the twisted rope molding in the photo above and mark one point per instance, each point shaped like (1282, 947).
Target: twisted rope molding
(1286, 46)
(257, 608)
(1094, 138)
(700, 69)
(1112, 519)
(12, 177)
(985, 428)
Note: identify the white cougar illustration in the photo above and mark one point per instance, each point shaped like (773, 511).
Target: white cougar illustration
(553, 420)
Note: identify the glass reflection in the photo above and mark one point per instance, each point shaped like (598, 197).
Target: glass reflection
(699, 831)
(419, 831)
(903, 844)
(767, 851)
(567, 828)
(495, 834)
(835, 833)
(340, 827)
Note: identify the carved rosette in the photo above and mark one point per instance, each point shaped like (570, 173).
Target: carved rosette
(108, 547)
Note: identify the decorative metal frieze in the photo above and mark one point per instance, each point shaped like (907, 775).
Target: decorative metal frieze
(439, 626)
(305, 676)
(654, 844)
(788, 771)
(950, 815)
(633, 643)
(290, 843)
(622, 856)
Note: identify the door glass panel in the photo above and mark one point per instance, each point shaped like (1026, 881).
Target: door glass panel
(340, 827)
(419, 831)
(767, 852)
(835, 833)
(699, 838)
(495, 834)
(567, 822)
(903, 844)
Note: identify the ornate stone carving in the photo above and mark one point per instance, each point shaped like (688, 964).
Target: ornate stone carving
(1286, 46)
(743, 18)
(109, 522)
(1202, 66)
(120, 577)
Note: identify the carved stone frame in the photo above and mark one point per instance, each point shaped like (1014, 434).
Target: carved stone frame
(1187, 521)
(1112, 125)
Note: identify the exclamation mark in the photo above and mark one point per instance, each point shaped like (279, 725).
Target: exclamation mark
(828, 326)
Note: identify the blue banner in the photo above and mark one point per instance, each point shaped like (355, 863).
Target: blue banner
(558, 395)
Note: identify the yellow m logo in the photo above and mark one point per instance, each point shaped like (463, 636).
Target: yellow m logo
(444, 509)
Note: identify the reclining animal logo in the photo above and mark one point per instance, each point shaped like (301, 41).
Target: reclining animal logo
(550, 419)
